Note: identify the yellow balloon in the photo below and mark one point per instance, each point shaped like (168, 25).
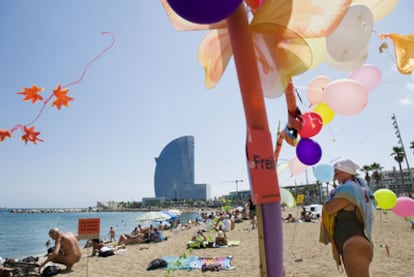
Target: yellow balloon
(386, 199)
(325, 112)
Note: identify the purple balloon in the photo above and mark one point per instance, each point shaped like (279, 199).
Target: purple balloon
(308, 151)
(204, 11)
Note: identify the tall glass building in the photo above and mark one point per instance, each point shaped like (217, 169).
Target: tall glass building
(174, 172)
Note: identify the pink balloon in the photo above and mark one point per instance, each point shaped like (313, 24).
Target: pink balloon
(404, 207)
(315, 89)
(368, 75)
(296, 166)
(346, 96)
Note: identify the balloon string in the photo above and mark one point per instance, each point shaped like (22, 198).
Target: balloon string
(380, 40)
(20, 126)
(93, 60)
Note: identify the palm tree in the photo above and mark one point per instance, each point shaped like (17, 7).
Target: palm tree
(367, 169)
(412, 145)
(398, 154)
(376, 175)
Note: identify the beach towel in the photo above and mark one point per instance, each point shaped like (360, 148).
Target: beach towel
(201, 245)
(358, 193)
(231, 243)
(195, 262)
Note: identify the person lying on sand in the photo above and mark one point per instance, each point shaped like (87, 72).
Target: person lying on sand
(126, 239)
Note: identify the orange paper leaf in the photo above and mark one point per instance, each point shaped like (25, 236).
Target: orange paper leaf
(61, 97)
(32, 94)
(30, 135)
(4, 134)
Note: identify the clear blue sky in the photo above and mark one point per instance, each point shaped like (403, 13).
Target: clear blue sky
(148, 90)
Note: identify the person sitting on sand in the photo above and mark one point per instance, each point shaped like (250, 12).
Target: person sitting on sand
(221, 238)
(199, 236)
(198, 240)
(155, 235)
(290, 218)
(226, 223)
(66, 251)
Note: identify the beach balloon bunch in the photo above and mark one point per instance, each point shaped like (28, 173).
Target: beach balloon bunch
(327, 98)
(344, 96)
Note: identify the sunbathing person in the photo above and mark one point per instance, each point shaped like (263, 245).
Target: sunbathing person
(221, 239)
(66, 251)
(126, 239)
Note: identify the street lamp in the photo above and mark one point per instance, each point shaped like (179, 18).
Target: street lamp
(237, 185)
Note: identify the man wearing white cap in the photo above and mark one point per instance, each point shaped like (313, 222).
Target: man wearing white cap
(347, 220)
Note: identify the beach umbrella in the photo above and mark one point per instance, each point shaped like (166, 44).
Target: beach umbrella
(152, 216)
(173, 216)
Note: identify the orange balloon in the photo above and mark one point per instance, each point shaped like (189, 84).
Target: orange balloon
(315, 89)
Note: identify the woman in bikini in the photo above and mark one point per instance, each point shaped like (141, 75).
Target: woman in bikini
(351, 205)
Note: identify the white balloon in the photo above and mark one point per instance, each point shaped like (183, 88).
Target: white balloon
(348, 65)
(352, 35)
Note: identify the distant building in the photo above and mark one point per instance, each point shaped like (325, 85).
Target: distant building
(391, 179)
(174, 172)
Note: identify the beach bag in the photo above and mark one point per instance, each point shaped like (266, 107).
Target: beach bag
(30, 259)
(106, 253)
(157, 263)
(51, 270)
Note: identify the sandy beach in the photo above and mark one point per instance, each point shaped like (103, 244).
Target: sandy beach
(304, 256)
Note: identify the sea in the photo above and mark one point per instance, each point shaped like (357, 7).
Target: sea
(26, 234)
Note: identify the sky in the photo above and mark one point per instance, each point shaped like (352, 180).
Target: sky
(148, 90)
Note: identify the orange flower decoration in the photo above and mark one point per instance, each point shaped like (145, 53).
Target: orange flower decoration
(4, 134)
(61, 97)
(30, 135)
(32, 94)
